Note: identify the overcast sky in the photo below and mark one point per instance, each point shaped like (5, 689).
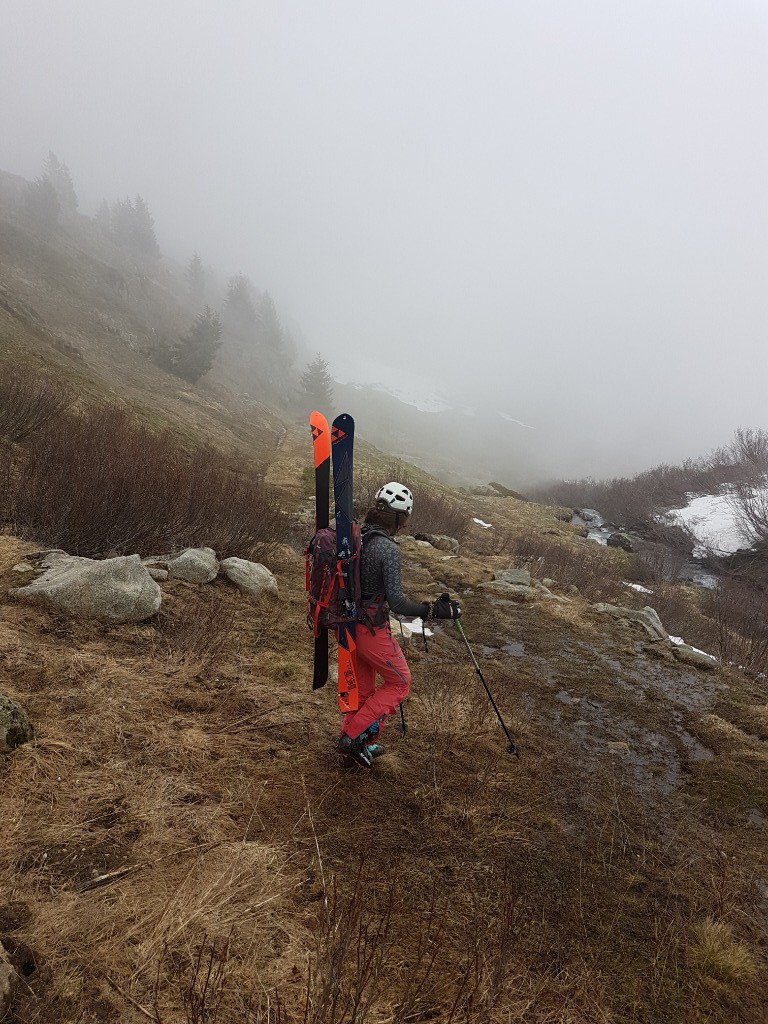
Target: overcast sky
(559, 207)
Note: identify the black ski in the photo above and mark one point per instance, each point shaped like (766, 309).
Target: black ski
(321, 443)
(342, 443)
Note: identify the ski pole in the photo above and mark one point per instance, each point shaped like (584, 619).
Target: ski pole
(512, 747)
(403, 726)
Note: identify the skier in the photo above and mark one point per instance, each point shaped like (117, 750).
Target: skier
(377, 650)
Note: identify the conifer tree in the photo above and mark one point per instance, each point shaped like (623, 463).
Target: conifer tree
(317, 386)
(195, 275)
(59, 176)
(195, 353)
(239, 305)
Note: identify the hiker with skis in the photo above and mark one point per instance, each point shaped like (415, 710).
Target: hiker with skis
(377, 652)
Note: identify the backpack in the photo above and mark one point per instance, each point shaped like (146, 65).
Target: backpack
(324, 579)
(323, 570)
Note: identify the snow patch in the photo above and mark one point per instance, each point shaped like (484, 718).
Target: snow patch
(637, 587)
(678, 642)
(485, 526)
(511, 419)
(712, 520)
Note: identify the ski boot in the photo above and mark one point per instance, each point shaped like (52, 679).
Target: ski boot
(354, 753)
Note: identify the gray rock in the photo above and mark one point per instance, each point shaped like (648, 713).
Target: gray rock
(620, 540)
(195, 565)
(116, 589)
(8, 982)
(690, 656)
(486, 491)
(15, 727)
(24, 567)
(250, 577)
(440, 541)
(520, 577)
(647, 617)
(548, 582)
(157, 573)
(517, 592)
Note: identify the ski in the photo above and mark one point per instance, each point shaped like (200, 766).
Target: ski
(342, 441)
(321, 443)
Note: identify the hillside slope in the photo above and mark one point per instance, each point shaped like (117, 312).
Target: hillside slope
(181, 846)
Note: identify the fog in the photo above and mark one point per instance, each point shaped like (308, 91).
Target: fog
(553, 209)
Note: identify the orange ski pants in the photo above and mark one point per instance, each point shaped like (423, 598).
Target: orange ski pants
(377, 652)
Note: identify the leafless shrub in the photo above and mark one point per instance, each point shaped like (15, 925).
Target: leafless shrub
(740, 615)
(199, 632)
(657, 563)
(29, 398)
(749, 501)
(434, 511)
(107, 484)
(594, 570)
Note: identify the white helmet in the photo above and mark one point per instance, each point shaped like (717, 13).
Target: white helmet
(395, 496)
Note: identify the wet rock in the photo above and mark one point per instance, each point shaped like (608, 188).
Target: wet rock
(517, 592)
(15, 728)
(116, 589)
(519, 577)
(620, 540)
(250, 577)
(440, 541)
(647, 617)
(8, 982)
(195, 565)
(690, 656)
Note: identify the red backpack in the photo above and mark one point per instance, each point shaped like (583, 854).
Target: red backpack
(324, 579)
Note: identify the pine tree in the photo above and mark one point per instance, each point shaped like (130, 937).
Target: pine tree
(133, 227)
(196, 351)
(317, 386)
(195, 275)
(144, 239)
(238, 305)
(59, 176)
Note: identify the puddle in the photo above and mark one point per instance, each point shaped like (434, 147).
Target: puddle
(514, 649)
(696, 750)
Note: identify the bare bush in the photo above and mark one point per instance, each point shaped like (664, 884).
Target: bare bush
(434, 511)
(29, 398)
(199, 632)
(105, 484)
(594, 570)
(740, 614)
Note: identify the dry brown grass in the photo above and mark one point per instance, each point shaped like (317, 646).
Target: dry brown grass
(248, 881)
(716, 953)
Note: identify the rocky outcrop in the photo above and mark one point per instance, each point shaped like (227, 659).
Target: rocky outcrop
(195, 565)
(647, 617)
(115, 589)
(15, 728)
(485, 491)
(250, 577)
(519, 577)
(691, 656)
(620, 540)
(440, 541)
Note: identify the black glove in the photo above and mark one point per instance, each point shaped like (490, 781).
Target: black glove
(445, 608)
